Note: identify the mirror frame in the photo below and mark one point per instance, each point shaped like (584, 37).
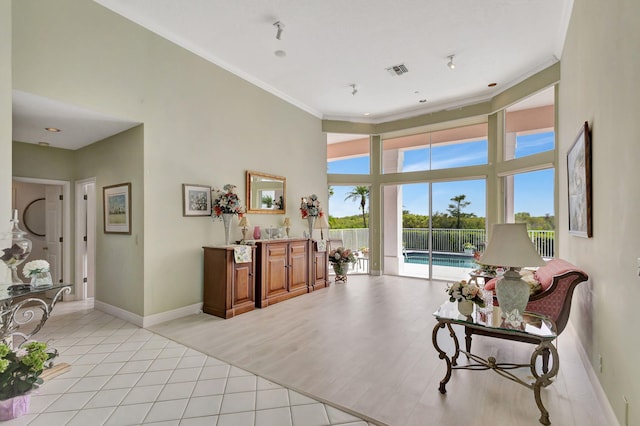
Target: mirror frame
(250, 175)
(28, 219)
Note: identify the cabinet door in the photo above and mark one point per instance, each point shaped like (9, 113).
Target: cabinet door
(243, 285)
(320, 269)
(298, 264)
(276, 269)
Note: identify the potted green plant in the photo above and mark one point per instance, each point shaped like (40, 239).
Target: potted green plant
(20, 371)
(469, 248)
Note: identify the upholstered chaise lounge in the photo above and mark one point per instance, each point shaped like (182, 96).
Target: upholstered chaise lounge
(558, 278)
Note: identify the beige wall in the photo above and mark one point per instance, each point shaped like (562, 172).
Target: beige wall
(120, 258)
(202, 125)
(600, 68)
(5, 115)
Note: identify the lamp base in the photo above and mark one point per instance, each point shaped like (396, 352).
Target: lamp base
(512, 293)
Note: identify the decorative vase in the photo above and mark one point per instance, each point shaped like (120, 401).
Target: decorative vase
(256, 233)
(341, 270)
(41, 279)
(19, 250)
(311, 220)
(465, 307)
(226, 219)
(14, 407)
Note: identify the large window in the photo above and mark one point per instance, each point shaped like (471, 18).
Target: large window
(529, 126)
(442, 149)
(348, 154)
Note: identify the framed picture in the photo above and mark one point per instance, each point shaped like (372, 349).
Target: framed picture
(196, 200)
(579, 179)
(117, 208)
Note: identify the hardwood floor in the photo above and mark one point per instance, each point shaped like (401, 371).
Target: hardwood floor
(366, 346)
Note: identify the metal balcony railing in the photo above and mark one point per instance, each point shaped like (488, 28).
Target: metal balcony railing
(444, 240)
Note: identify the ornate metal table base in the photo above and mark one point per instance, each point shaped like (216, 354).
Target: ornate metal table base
(542, 378)
(19, 310)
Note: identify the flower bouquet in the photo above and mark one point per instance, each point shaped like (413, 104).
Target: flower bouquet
(38, 271)
(340, 258)
(463, 290)
(20, 372)
(310, 206)
(466, 294)
(226, 200)
(225, 204)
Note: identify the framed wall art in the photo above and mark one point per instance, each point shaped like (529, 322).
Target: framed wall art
(196, 200)
(579, 180)
(117, 208)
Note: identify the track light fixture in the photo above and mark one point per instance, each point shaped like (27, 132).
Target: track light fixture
(280, 26)
(450, 64)
(353, 89)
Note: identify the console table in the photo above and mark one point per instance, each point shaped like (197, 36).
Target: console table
(17, 308)
(534, 327)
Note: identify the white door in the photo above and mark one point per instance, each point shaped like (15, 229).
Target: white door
(90, 257)
(85, 238)
(53, 230)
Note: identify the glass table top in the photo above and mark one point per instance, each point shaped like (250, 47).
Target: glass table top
(531, 324)
(10, 292)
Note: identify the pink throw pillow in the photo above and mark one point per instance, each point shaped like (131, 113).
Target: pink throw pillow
(491, 285)
(544, 275)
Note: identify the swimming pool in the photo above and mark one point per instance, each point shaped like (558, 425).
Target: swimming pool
(441, 259)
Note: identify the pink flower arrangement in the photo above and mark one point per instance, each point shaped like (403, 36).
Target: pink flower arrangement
(341, 255)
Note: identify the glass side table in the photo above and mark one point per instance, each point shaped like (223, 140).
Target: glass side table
(534, 328)
(17, 306)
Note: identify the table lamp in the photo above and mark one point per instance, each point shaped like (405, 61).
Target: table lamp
(510, 247)
(244, 224)
(321, 224)
(287, 225)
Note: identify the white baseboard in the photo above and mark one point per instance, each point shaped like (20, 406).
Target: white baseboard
(607, 410)
(154, 319)
(118, 312)
(149, 320)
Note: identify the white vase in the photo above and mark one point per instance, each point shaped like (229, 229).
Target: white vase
(465, 307)
(311, 220)
(41, 279)
(226, 219)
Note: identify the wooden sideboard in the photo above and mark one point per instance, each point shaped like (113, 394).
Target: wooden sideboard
(229, 287)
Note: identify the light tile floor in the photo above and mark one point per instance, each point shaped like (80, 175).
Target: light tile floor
(124, 375)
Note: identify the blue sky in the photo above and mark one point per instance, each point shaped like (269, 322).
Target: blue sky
(533, 190)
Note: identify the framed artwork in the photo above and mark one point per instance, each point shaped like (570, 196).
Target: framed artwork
(196, 200)
(579, 179)
(117, 208)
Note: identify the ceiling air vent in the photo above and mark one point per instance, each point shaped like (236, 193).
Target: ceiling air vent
(398, 69)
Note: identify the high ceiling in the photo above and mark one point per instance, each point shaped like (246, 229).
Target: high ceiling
(327, 46)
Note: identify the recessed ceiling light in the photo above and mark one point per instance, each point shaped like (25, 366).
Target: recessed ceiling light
(280, 53)
(43, 143)
(52, 129)
(492, 84)
(367, 113)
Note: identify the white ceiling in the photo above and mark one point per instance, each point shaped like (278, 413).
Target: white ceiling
(331, 44)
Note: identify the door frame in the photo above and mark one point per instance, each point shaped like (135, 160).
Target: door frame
(85, 218)
(66, 222)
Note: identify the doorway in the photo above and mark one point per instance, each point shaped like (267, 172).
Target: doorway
(46, 203)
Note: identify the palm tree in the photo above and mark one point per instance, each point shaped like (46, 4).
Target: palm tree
(455, 209)
(359, 193)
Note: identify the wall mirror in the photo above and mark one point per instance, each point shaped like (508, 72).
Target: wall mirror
(266, 193)
(34, 217)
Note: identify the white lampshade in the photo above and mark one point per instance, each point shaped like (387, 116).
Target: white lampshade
(510, 246)
(244, 222)
(321, 222)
